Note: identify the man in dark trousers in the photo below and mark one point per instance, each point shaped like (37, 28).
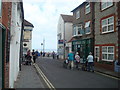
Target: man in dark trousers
(34, 55)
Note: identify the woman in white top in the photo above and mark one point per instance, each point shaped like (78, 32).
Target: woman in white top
(77, 58)
(90, 62)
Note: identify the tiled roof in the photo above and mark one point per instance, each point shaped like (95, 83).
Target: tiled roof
(26, 23)
(79, 6)
(67, 18)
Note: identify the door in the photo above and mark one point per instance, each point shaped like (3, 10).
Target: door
(97, 52)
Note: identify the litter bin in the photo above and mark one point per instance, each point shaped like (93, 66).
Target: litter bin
(116, 66)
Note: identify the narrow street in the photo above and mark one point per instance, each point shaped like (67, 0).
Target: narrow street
(65, 78)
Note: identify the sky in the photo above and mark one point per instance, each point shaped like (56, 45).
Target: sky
(44, 15)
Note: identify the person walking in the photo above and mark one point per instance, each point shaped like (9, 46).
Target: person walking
(28, 58)
(90, 62)
(53, 54)
(71, 60)
(77, 58)
(34, 55)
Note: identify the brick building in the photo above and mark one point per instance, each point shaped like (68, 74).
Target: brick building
(83, 29)
(106, 34)
(11, 27)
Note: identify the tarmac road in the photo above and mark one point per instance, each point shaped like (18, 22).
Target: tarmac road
(65, 78)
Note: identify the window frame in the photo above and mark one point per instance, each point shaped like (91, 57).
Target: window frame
(107, 6)
(107, 24)
(86, 7)
(108, 53)
(77, 15)
(86, 27)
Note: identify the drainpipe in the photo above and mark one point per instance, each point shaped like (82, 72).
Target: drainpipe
(21, 41)
(118, 10)
(93, 26)
(64, 40)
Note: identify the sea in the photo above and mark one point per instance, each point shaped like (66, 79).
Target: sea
(47, 50)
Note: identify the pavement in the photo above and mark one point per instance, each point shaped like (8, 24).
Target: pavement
(28, 78)
(107, 72)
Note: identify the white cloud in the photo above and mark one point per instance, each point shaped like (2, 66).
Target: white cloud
(44, 15)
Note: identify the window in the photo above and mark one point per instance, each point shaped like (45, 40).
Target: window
(74, 30)
(108, 53)
(87, 8)
(77, 30)
(106, 4)
(80, 30)
(87, 27)
(77, 14)
(108, 25)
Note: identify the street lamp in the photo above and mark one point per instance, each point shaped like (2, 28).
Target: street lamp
(41, 46)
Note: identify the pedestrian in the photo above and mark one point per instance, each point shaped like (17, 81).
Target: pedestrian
(57, 56)
(71, 60)
(77, 58)
(36, 52)
(34, 55)
(41, 53)
(28, 58)
(53, 55)
(90, 62)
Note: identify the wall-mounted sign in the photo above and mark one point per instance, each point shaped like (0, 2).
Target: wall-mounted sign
(60, 41)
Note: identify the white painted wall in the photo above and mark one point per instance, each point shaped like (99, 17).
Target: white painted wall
(16, 25)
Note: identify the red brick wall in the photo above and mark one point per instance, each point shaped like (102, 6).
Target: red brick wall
(6, 17)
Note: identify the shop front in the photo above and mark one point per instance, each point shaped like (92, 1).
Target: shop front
(83, 47)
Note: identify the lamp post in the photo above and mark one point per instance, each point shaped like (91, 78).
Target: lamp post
(64, 40)
(41, 46)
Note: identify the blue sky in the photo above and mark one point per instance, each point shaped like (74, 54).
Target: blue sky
(44, 15)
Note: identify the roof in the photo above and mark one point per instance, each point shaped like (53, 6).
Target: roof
(70, 40)
(67, 18)
(26, 23)
(79, 6)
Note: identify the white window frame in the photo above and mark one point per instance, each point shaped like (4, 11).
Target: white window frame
(108, 53)
(87, 24)
(106, 2)
(87, 6)
(76, 30)
(77, 14)
(79, 26)
(107, 31)
(98, 57)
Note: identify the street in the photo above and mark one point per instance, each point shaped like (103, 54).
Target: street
(64, 78)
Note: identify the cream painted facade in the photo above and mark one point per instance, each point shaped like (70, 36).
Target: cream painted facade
(64, 33)
(27, 44)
